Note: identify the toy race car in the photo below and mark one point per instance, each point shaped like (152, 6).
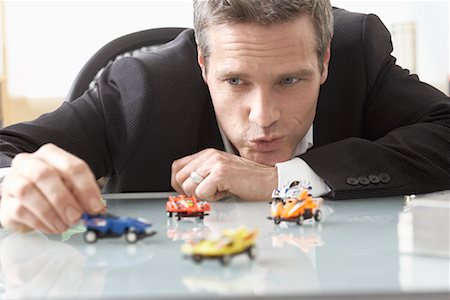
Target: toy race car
(291, 190)
(109, 225)
(229, 244)
(184, 206)
(296, 208)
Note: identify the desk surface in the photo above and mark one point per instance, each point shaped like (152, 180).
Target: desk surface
(354, 251)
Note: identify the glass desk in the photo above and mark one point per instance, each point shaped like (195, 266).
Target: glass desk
(352, 254)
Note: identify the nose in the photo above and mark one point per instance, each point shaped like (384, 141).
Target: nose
(264, 110)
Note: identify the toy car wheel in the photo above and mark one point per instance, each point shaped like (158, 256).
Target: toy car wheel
(201, 217)
(178, 217)
(169, 214)
(225, 260)
(90, 236)
(300, 220)
(277, 220)
(197, 258)
(318, 215)
(131, 237)
(251, 252)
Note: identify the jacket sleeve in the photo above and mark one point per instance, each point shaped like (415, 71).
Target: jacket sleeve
(99, 127)
(404, 145)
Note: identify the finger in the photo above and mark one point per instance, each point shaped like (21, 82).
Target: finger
(76, 174)
(212, 197)
(32, 223)
(50, 184)
(179, 171)
(200, 165)
(189, 185)
(176, 185)
(13, 225)
(17, 218)
(25, 204)
(211, 188)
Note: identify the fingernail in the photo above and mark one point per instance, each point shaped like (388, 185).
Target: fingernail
(72, 214)
(96, 204)
(60, 226)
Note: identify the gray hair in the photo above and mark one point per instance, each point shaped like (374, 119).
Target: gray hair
(262, 12)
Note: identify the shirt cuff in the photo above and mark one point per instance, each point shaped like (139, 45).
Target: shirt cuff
(298, 169)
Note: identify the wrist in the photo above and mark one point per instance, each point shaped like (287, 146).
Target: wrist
(271, 182)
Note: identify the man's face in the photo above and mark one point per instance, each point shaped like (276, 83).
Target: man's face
(264, 83)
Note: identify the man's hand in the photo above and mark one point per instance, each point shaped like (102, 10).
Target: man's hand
(224, 174)
(47, 190)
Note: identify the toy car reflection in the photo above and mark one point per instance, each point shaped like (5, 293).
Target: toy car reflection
(184, 206)
(109, 225)
(187, 231)
(296, 209)
(230, 243)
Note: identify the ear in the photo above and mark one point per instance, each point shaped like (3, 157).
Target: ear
(201, 63)
(325, 63)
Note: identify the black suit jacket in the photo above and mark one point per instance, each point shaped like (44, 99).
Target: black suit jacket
(378, 130)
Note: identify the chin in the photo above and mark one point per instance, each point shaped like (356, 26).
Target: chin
(269, 159)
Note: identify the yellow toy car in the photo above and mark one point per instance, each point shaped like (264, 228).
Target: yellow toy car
(230, 243)
(296, 209)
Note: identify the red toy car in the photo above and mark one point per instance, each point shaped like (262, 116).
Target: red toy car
(184, 206)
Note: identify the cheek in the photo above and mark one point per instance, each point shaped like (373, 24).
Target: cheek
(299, 110)
(228, 110)
(221, 101)
(301, 102)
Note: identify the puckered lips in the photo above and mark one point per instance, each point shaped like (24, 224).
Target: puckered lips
(267, 144)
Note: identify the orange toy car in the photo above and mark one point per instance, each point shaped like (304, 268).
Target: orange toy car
(297, 209)
(184, 206)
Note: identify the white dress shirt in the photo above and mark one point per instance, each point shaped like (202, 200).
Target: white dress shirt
(295, 168)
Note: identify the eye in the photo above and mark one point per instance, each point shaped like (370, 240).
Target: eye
(234, 81)
(289, 80)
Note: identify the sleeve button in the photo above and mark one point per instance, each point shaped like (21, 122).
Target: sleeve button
(384, 177)
(363, 180)
(352, 181)
(374, 179)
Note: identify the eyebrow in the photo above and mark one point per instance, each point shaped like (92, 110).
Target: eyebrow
(300, 73)
(227, 73)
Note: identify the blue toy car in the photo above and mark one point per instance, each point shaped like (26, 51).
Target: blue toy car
(109, 225)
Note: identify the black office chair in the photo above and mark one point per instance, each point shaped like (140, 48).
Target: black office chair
(127, 45)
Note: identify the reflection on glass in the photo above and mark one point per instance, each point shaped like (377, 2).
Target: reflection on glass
(33, 266)
(305, 237)
(298, 260)
(187, 230)
(422, 273)
(241, 279)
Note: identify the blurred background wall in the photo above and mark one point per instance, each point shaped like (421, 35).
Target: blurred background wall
(45, 43)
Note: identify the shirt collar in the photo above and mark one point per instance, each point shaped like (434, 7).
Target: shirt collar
(306, 143)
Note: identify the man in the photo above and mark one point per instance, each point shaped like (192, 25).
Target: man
(266, 115)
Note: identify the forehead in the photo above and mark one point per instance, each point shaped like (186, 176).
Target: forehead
(279, 44)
